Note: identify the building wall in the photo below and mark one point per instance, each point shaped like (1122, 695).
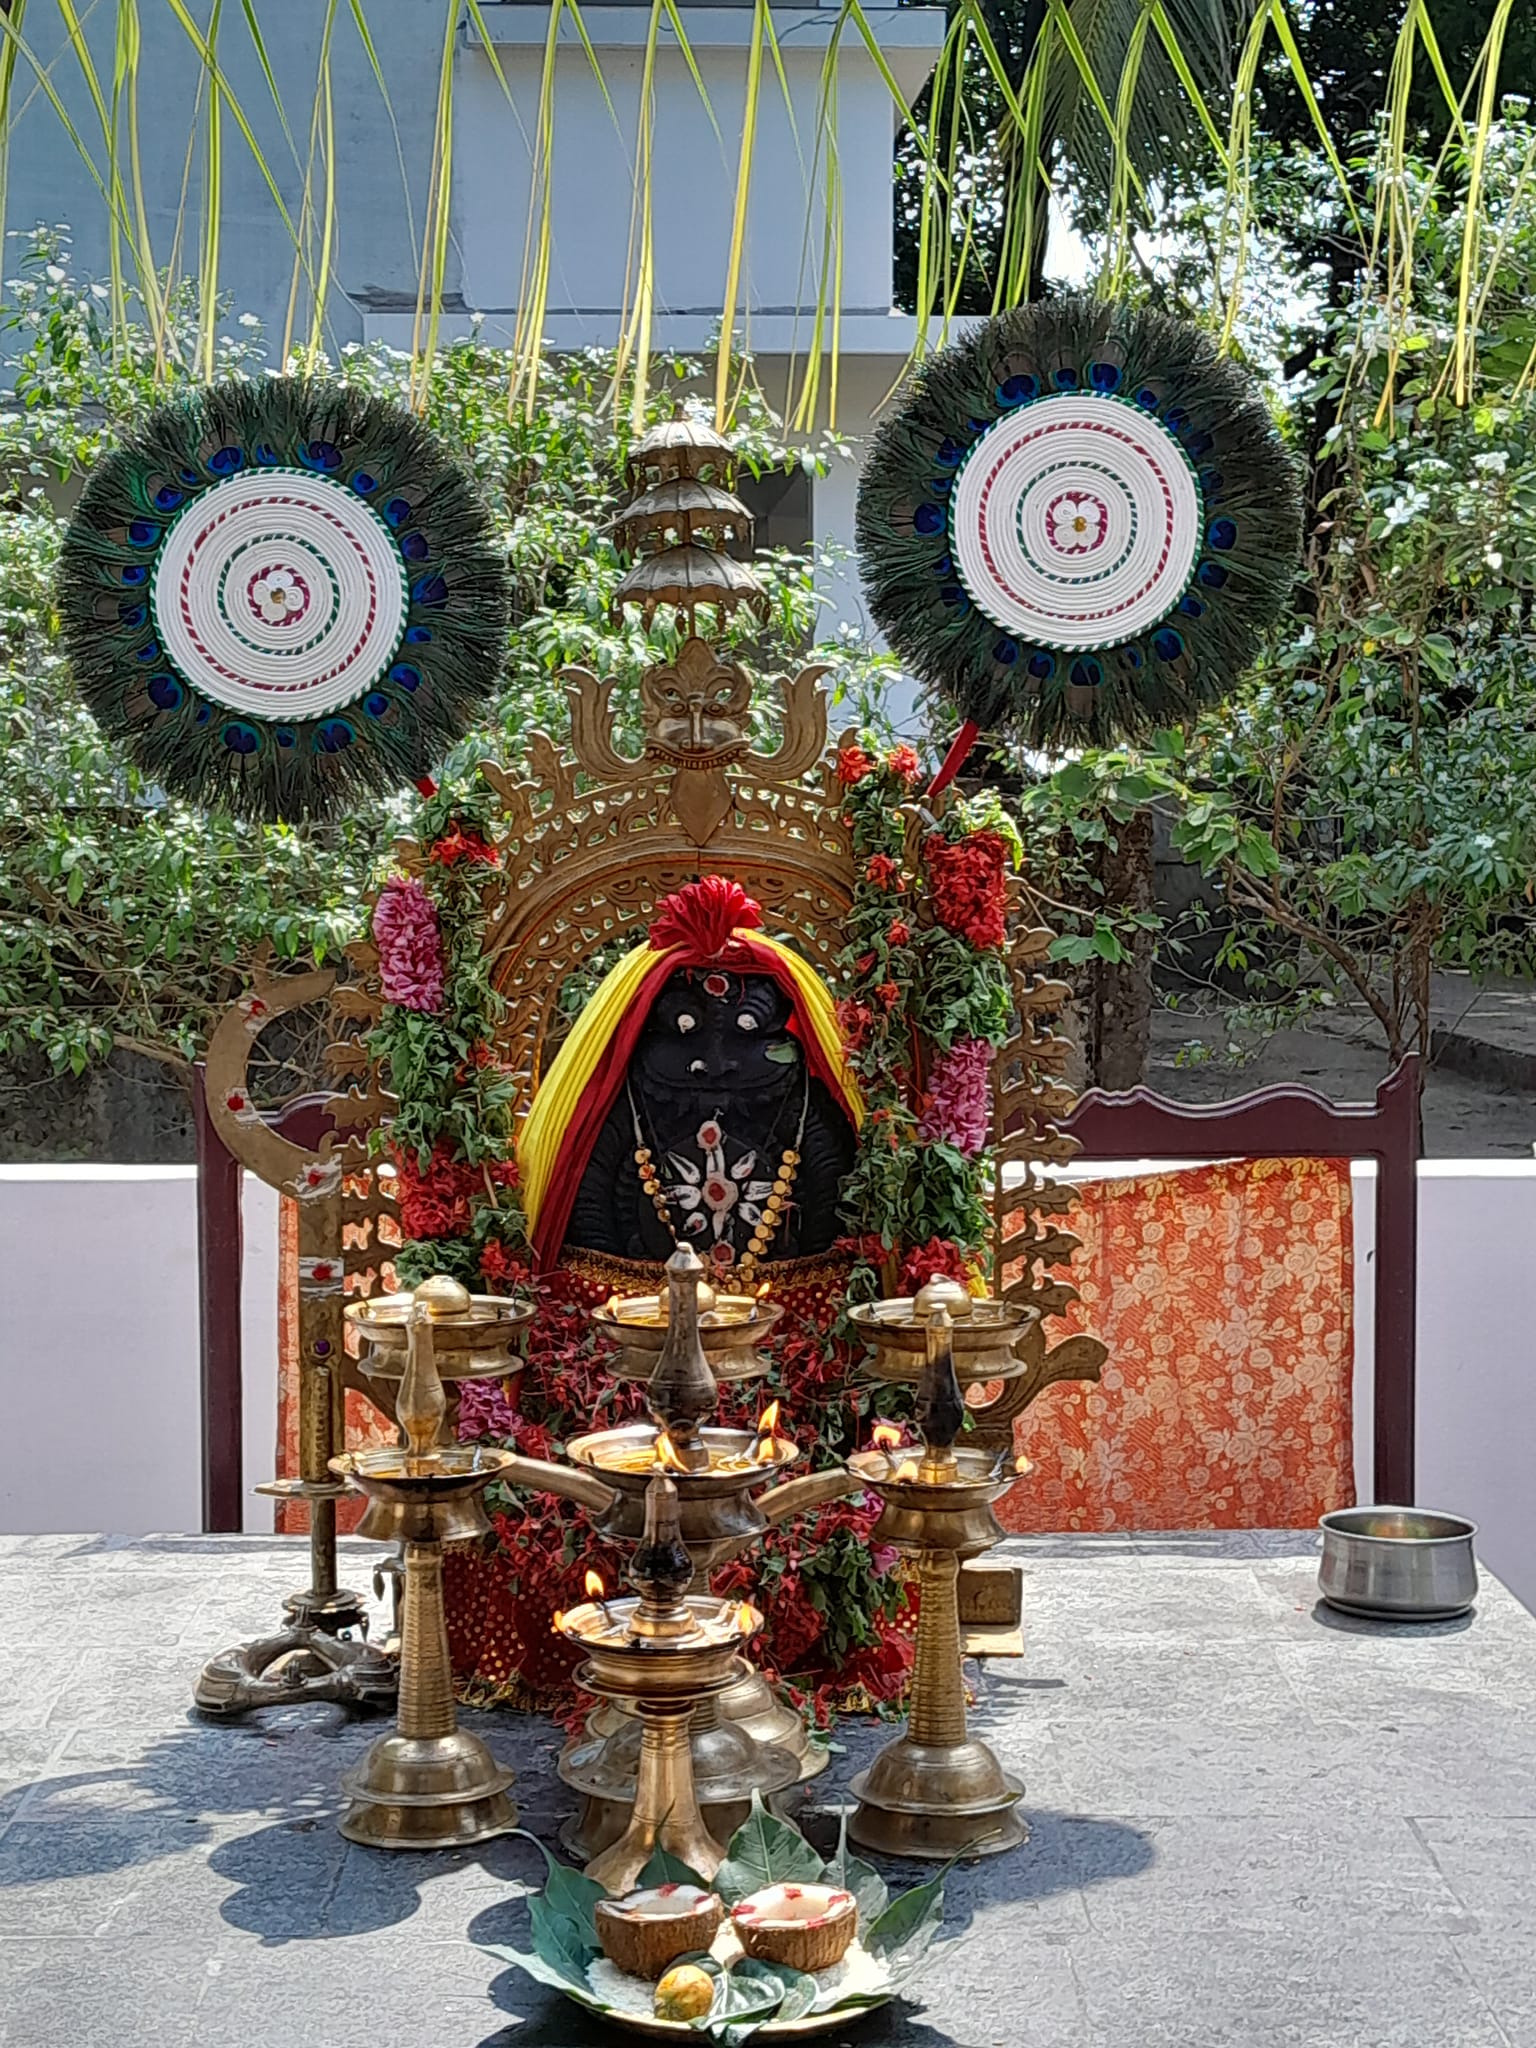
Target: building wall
(100, 1362)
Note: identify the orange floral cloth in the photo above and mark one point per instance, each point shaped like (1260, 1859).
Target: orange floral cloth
(1225, 1296)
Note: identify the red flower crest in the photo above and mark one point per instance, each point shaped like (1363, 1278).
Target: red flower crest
(703, 917)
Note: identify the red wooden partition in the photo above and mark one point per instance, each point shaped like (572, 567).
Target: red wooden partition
(1294, 1123)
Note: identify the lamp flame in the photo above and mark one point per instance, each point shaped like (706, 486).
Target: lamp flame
(746, 1620)
(594, 1585)
(668, 1456)
(611, 1305)
(557, 1620)
(886, 1436)
(765, 1290)
(1021, 1463)
(907, 1470)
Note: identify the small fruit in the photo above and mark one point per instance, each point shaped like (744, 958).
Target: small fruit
(685, 1993)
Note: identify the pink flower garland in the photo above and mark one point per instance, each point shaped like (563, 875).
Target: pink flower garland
(960, 1096)
(410, 945)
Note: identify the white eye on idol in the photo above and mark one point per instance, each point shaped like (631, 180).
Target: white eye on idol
(685, 1022)
(746, 1021)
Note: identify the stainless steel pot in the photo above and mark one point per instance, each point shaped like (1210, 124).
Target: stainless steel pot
(1398, 1564)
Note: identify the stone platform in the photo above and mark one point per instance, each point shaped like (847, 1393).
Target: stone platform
(1254, 1824)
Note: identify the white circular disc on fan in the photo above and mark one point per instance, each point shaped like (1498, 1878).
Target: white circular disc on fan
(280, 593)
(1076, 522)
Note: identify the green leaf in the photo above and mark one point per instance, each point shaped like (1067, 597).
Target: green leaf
(665, 1868)
(555, 1976)
(900, 1937)
(746, 1996)
(558, 1939)
(567, 1894)
(765, 1851)
(850, 1874)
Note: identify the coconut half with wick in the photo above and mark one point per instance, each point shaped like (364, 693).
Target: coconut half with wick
(644, 1932)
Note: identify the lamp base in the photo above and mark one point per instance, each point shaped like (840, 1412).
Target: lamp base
(427, 1792)
(922, 1801)
(301, 1665)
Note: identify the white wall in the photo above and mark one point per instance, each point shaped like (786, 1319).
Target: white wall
(99, 1365)
(99, 1349)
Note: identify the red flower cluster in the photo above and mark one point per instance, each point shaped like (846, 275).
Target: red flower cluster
(440, 1201)
(900, 933)
(882, 871)
(456, 844)
(970, 887)
(889, 993)
(856, 1021)
(502, 1269)
(904, 764)
(939, 1255)
(853, 764)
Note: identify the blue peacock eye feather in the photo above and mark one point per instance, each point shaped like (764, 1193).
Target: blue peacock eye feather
(149, 653)
(1104, 376)
(190, 476)
(1065, 380)
(132, 614)
(396, 512)
(285, 736)
(431, 590)
(265, 454)
(363, 483)
(416, 634)
(1133, 654)
(407, 677)
(1166, 644)
(1177, 420)
(204, 713)
(168, 498)
(1006, 651)
(241, 738)
(143, 533)
(1191, 606)
(376, 704)
(321, 455)
(1211, 481)
(929, 519)
(334, 736)
(1086, 672)
(1147, 398)
(948, 452)
(1222, 534)
(1042, 666)
(954, 594)
(1198, 445)
(136, 573)
(165, 692)
(1212, 575)
(944, 566)
(226, 461)
(414, 547)
(1017, 390)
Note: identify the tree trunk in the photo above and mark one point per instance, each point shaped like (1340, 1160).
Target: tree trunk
(1120, 1009)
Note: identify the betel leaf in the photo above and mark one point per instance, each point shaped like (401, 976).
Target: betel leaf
(744, 1998)
(665, 1868)
(850, 1874)
(765, 1851)
(899, 1938)
(558, 1940)
(568, 1893)
(553, 1976)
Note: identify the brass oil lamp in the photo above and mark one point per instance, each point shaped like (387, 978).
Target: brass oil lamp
(936, 1790)
(661, 1654)
(746, 1737)
(429, 1784)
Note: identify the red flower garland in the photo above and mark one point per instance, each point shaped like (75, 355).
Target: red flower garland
(969, 882)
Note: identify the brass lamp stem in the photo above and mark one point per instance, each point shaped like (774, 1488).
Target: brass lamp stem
(937, 1714)
(426, 1678)
(666, 1808)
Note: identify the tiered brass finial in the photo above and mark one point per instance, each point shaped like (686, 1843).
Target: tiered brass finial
(683, 517)
(682, 1392)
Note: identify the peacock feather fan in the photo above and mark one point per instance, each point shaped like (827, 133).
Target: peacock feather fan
(1078, 522)
(281, 597)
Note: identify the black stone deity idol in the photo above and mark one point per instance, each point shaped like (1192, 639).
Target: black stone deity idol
(720, 1135)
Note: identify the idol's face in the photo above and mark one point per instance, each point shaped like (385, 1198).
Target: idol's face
(713, 1033)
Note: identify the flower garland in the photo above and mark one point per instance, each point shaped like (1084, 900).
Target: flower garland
(450, 1141)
